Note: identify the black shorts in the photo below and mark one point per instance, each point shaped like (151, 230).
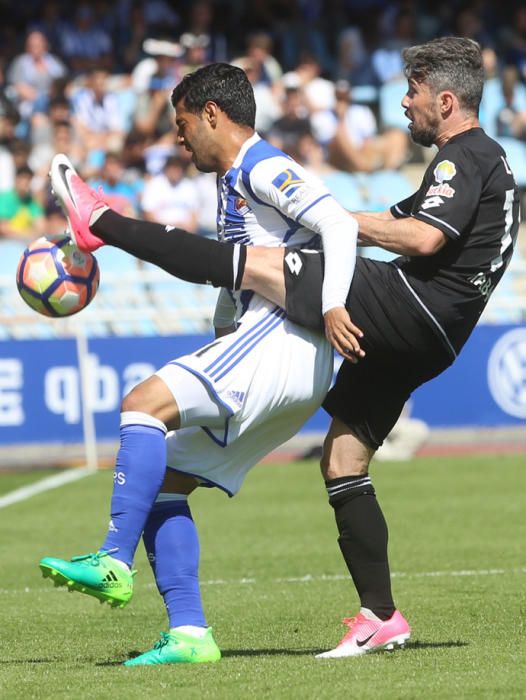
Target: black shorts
(402, 349)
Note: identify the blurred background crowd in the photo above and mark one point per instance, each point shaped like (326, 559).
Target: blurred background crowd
(93, 80)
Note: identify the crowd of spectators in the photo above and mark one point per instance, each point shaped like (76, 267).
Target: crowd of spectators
(93, 80)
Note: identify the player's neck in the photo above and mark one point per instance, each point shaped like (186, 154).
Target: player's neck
(456, 128)
(231, 147)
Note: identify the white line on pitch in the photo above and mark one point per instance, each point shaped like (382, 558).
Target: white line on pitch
(50, 482)
(308, 578)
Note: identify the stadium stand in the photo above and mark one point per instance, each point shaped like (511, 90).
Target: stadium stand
(136, 299)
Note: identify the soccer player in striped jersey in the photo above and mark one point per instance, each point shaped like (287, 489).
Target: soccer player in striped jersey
(234, 400)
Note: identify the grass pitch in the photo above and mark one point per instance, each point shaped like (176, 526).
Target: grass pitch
(275, 590)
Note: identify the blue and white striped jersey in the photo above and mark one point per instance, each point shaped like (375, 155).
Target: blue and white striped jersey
(268, 199)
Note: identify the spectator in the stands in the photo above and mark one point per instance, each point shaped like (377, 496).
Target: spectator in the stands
(163, 58)
(85, 44)
(267, 103)
(260, 47)
(516, 42)
(295, 120)
(386, 58)
(317, 94)
(120, 194)
(49, 20)
(9, 119)
(62, 139)
(97, 117)
(355, 44)
(21, 214)
(310, 153)
(31, 75)
(511, 118)
(357, 146)
(154, 117)
(171, 198)
(202, 21)
(195, 47)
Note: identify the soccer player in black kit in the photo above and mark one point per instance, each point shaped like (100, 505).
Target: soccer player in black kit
(455, 237)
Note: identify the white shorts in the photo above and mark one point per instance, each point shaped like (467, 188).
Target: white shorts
(262, 383)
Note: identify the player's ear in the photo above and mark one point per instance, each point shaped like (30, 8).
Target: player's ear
(210, 113)
(447, 102)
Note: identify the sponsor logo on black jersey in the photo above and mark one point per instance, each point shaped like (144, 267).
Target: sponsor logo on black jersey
(443, 190)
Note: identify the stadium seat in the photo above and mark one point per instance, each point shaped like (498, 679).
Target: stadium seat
(365, 95)
(385, 188)
(346, 189)
(181, 307)
(390, 112)
(516, 157)
(493, 101)
(10, 253)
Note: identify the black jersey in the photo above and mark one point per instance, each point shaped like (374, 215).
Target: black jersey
(470, 194)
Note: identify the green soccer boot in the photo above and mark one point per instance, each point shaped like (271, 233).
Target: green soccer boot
(179, 648)
(99, 575)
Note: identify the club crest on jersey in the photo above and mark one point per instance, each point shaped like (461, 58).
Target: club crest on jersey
(287, 182)
(241, 206)
(444, 171)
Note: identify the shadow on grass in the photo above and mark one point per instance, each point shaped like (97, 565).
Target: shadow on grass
(411, 646)
(417, 644)
(227, 653)
(7, 662)
(233, 653)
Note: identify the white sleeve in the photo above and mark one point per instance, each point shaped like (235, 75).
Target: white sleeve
(299, 195)
(225, 312)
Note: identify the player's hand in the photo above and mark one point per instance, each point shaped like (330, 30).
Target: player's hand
(342, 334)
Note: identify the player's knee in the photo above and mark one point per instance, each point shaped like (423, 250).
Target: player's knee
(153, 398)
(334, 468)
(134, 401)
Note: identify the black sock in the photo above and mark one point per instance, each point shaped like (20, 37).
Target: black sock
(182, 254)
(363, 541)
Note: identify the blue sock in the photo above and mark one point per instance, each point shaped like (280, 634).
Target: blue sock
(172, 544)
(139, 473)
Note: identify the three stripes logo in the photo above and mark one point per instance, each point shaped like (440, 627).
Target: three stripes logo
(109, 581)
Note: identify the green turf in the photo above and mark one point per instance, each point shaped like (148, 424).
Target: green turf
(275, 591)
(11, 480)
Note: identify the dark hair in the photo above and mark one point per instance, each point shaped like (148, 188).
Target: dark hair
(24, 170)
(448, 63)
(226, 85)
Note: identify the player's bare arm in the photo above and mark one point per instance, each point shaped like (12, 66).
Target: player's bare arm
(406, 236)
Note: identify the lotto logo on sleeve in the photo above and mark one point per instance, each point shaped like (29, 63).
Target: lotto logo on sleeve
(287, 182)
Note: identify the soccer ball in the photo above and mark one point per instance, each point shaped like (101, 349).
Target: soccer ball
(55, 278)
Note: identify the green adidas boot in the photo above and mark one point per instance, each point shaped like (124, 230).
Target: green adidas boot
(179, 648)
(99, 575)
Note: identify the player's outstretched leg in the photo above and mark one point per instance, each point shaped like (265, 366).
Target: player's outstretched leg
(139, 473)
(367, 633)
(81, 204)
(92, 224)
(98, 574)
